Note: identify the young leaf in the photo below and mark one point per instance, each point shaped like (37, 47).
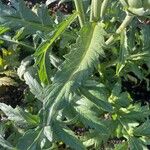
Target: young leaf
(3, 29)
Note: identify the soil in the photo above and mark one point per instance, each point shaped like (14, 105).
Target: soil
(13, 95)
(138, 92)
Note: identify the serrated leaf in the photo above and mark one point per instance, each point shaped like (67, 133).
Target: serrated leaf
(123, 53)
(19, 117)
(143, 130)
(123, 100)
(42, 51)
(136, 144)
(89, 118)
(122, 146)
(78, 66)
(102, 104)
(30, 140)
(21, 16)
(136, 112)
(63, 133)
(6, 144)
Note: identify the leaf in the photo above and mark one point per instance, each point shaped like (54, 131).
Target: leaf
(136, 70)
(25, 64)
(30, 140)
(48, 2)
(136, 144)
(123, 100)
(42, 50)
(63, 133)
(143, 130)
(6, 144)
(102, 104)
(89, 118)
(34, 86)
(21, 16)
(122, 146)
(136, 112)
(78, 66)
(3, 29)
(20, 117)
(93, 138)
(123, 53)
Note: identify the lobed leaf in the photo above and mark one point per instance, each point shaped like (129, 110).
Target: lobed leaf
(21, 16)
(6, 144)
(42, 51)
(78, 66)
(19, 117)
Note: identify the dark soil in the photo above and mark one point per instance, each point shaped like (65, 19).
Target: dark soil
(138, 92)
(13, 95)
(66, 7)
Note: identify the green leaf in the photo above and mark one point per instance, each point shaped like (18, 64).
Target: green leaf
(90, 118)
(78, 66)
(20, 117)
(136, 112)
(28, 73)
(122, 146)
(3, 29)
(21, 16)
(143, 130)
(123, 100)
(42, 50)
(136, 144)
(63, 133)
(6, 144)
(123, 53)
(136, 70)
(30, 140)
(102, 104)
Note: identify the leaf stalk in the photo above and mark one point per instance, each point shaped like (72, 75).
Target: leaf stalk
(124, 24)
(80, 10)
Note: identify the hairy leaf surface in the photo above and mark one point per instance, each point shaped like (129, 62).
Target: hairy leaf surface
(42, 51)
(19, 116)
(21, 16)
(78, 66)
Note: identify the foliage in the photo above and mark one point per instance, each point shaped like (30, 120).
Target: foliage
(75, 70)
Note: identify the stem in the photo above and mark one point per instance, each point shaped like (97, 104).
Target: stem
(124, 24)
(80, 10)
(91, 12)
(95, 10)
(103, 8)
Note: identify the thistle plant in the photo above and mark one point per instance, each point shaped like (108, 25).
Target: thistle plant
(75, 76)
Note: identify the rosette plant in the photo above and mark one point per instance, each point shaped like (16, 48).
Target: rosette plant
(75, 73)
